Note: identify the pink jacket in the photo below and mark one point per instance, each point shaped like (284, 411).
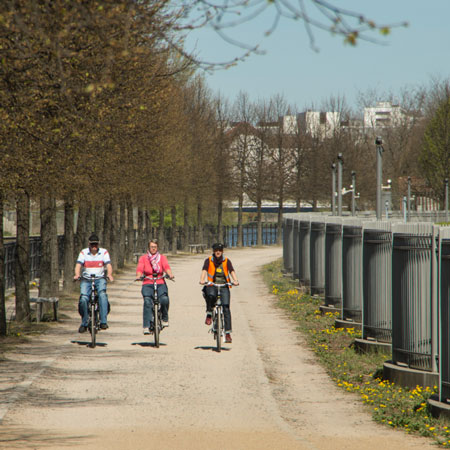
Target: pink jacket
(145, 268)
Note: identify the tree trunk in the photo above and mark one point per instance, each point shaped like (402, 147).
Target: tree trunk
(49, 268)
(220, 220)
(80, 236)
(45, 269)
(3, 328)
(174, 230)
(200, 223)
(107, 220)
(122, 235)
(140, 230)
(22, 259)
(98, 224)
(161, 240)
(114, 234)
(130, 247)
(280, 220)
(147, 225)
(240, 237)
(90, 220)
(259, 221)
(185, 241)
(54, 253)
(69, 257)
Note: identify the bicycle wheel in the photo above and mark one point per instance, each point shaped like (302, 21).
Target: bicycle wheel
(92, 327)
(219, 329)
(157, 324)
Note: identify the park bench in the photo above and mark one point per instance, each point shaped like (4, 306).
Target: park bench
(197, 248)
(41, 302)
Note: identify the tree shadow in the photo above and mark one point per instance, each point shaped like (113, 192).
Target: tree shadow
(13, 437)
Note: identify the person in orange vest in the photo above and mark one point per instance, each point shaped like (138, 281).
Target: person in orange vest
(218, 269)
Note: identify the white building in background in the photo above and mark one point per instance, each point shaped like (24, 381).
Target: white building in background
(383, 115)
(316, 123)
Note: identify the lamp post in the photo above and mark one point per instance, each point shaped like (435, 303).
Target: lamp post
(379, 148)
(409, 199)
(353, 192)
(339, 187)
(446, 199)
(333, 189)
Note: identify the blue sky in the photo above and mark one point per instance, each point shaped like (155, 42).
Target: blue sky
(307, 78)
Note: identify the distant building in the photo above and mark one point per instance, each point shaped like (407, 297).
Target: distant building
(318, 124)
(383, 115)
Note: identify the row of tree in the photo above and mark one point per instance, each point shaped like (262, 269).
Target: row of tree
(100, 110)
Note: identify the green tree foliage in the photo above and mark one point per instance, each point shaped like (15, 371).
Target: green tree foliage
(435, 156)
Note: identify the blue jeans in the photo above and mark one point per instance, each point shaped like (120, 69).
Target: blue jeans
(210, 298)
(163, 297)
(85, 295)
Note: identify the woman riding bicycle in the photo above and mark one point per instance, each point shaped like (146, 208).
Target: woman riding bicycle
(219, 270)
(149, 264)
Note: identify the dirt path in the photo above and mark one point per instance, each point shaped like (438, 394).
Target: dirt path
(264, 391)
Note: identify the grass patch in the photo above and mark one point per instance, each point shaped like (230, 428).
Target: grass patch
(354, 372)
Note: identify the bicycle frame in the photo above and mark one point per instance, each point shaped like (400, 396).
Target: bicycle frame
(217, 316)
(157, 314)
(94, 311)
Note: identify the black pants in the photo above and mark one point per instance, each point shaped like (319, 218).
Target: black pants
(210, 294)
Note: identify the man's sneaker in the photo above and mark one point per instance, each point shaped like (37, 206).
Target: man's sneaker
(164, 323)
(208, 320)
(228, 338)
(82, 329)
(146, 330)
(104, 326)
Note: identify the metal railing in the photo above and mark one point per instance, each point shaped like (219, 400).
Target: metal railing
(317, 258)
(333, 263)
(411, 296)
(377, 292)
(352, 287)
(304, 271)
(392, 277)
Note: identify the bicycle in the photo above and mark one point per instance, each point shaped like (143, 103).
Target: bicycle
(217, 327)
(157, 313)
(94, 311)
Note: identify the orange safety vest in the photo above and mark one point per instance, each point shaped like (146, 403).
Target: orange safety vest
(212, 270)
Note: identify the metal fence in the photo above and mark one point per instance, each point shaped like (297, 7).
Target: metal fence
(333, 264)
(352, 287)
(394, 278)
(377, 287)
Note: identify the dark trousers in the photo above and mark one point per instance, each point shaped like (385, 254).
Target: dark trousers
(210, 298)
(163, 297)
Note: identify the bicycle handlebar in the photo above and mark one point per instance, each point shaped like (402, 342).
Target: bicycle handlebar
(91, 278)
(209, 283)
(153, 278)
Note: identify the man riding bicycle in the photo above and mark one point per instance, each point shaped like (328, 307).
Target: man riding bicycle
(218, 270)
(93, 259)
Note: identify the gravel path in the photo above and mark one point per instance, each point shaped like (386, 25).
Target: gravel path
(264, 391)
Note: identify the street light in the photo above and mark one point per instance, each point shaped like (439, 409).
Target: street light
(353, 192)
(387, 196)
(339, 188)
(333, 189)
(446, 199)
(379, 148)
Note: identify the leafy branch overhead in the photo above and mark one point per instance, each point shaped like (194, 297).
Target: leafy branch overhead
(225, 17)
